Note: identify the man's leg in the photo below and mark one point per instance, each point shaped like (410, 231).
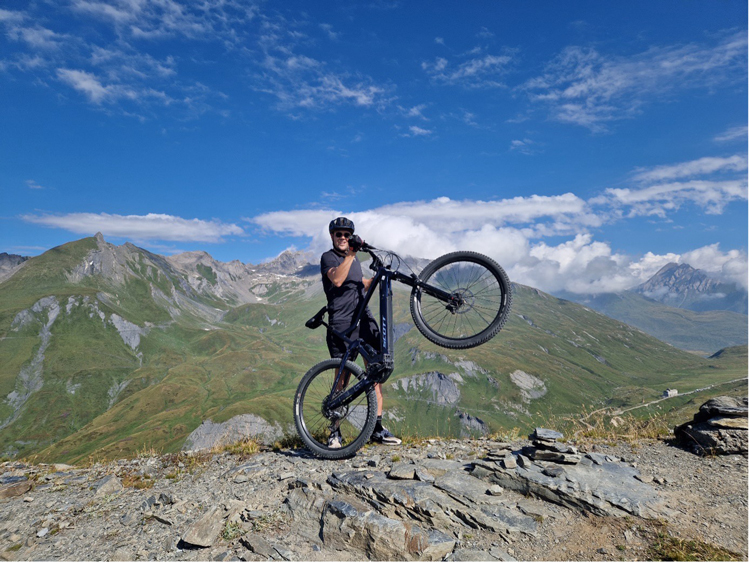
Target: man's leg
(379, 393)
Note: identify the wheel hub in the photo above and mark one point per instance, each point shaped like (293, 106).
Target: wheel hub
(462, 301)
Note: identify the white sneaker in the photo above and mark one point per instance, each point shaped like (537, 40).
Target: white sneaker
(384, 436)
(334, 441)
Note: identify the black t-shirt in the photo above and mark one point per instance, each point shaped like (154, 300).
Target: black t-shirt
(343, 301)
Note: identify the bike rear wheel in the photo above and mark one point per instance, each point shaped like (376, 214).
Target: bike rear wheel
(482, 293)
(355, 421)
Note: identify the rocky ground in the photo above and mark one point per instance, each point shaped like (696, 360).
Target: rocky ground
(437, 500)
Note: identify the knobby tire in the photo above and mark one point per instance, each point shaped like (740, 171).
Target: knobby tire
(486, 292)
(357, 423)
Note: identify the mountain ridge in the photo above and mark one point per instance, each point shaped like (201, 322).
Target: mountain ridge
(681, 285)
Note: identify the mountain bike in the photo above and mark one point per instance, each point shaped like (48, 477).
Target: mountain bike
(459, 301)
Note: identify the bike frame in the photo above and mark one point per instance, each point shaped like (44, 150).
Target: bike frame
(380, 362)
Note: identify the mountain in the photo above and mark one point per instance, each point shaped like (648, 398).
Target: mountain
(108, 350)
(681, 285)
(700, 332)
(9, 263)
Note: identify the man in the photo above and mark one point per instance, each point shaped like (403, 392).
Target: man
(344, 287)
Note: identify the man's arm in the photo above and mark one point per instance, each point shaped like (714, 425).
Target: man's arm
(337, 275)
(367, 282)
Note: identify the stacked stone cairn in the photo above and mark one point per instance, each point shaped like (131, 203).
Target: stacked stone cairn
(719, 427)
(545, 447)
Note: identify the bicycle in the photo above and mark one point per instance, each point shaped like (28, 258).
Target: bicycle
(459, 301)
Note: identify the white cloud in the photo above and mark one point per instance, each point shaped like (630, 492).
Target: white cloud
(34, 185)
(705, 165)
(659, 199)
(328, 29)
(11, 16)
(415, 131)
(524, 146)
(662, 191)
(209, 20)
(512, 232)
(583, 87)
(300, 81)
(477, 72)
(732, 134)
(139, 227)
(88, 84)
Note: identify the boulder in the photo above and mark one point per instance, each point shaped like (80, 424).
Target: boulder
(210, 435)
(606, 488)
(542, 434)
(206, 529)
(348, 526)
(402, 472)
(719, 427)
(107, 485)
(722, 405)
(728, 422)
(15, 490)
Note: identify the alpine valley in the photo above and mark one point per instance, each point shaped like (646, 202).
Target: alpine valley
(109, 350)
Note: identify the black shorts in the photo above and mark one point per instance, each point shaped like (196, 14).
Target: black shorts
(367, 330)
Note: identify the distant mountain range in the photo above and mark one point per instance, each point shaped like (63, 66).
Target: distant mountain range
(108, 350)
(681, 285)
(674, 306)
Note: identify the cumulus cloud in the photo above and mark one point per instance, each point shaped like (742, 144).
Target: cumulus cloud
(583, 87)
(139, 227)
(513, 232)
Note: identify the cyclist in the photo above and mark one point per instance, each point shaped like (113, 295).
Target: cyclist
(345, 286)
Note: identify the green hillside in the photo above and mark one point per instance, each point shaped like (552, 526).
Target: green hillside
(702, 332)
(123, 366)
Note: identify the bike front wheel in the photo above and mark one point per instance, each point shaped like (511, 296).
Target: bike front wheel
(354, 422)
(479, 305)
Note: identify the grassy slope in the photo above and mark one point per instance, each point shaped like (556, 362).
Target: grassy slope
(254, 365)
(253, 361)
(704, 332)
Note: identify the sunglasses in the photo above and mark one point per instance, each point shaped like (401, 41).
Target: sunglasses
(340, 234)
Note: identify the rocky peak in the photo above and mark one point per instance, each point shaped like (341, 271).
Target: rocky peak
(678, 279)
(288, 262)
(9, 262)
(681, 285)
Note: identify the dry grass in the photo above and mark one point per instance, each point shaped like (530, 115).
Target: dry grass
(245, 447)
(605, 426)
(507, 436)
(148, 452)
(138, 481)
(289, 441)
(665, 547)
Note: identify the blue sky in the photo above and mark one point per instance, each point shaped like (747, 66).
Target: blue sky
(582, 144)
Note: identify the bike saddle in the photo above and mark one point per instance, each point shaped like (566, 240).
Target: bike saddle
(316, 320)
